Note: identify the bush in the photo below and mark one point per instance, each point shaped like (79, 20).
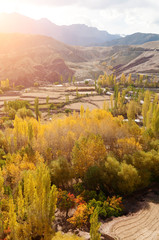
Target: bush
(61, 172)
(67, 111)
(88, 195)
(17, 104)
(78, 188)
(93, 178)
(60, 236)
(81, 216)
(111, 207)
(23, 113)
(12, 113)
(66, 201)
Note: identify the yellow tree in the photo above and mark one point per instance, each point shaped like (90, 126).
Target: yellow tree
(87, 152)
(1, 197)
(35, 206)
(145, 106)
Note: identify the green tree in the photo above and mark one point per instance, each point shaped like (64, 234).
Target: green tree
(69, 79)
(61, 78)
(95, 225)
(47, 100)
(37, 108)
(61, 172)
(74, 80)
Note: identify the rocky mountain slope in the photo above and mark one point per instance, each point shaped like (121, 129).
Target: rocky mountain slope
(26, 59)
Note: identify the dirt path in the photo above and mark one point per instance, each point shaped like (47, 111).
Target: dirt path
(142, 225)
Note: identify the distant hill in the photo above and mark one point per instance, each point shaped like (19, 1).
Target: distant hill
(133, 39)
(25, 59)
(76, 34)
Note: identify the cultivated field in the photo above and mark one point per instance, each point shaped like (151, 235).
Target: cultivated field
(62, 97)
(141, 225)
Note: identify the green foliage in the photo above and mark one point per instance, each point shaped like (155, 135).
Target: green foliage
(68, 111)
(93, 178)
(12, 113)
(17, 104)
(107, 208)
(66, 201)
(24, 112)
(47, 100)
(61, 172)
(60, 236)
(121, 177)
(88, 195)
(78, 188)
(37, 108)
(128, 178)
(94, 229)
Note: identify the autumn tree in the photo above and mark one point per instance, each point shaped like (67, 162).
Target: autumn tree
(145, 106)
(1, 197)
(88, 151)
(132, 110)
(33, 214)
(95, 225)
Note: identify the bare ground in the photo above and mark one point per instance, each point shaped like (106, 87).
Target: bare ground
(140, 224)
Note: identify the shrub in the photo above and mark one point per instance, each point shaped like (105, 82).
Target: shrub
(81, 215)
(66, 201)
(67, 110)
(60, 236)
(111, 207)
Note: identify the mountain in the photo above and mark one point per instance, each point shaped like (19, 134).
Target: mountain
(25, 59)
(76, 34)
(133, 39)
(139, 59)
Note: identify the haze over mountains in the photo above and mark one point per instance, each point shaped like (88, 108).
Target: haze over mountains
(76, 34)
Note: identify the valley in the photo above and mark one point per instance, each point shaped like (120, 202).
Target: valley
(79, 135)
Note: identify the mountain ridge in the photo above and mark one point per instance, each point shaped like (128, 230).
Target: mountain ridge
(75, 34)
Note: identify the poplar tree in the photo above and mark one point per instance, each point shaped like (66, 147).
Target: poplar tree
(37, 108)
(95, 225)
(35, 207)
(1, 196)
(145, 106)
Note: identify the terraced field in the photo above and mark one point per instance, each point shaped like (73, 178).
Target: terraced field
(62, 97)
(142, 225)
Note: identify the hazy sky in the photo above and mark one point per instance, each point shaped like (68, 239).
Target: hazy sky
(115, 16)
